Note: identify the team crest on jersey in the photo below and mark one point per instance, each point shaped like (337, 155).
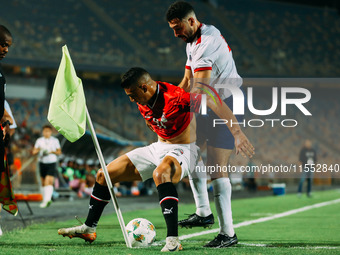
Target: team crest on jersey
(177, 152)
(163, 119)
(190, 58)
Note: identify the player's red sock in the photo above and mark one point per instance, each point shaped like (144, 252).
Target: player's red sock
(168, 199)
(99, 199)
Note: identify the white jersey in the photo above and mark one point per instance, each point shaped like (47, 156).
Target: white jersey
(210, 51)
(46, 146)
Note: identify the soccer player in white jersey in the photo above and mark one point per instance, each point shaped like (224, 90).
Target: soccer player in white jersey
(48, 148)
(209, 58)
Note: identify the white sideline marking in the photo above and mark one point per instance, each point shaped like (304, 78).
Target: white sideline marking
(261, 214)
(295, 247)
(263, 219)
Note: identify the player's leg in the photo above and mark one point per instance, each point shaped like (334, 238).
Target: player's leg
(203, 216)
(309, 183)
(43, 173)
(222, 197)
(49, 172)
(121, 169)
(302, 180)
(47, 190)
(220, 145)
(168, 173)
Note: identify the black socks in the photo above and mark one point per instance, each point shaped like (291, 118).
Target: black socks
(168, 199)
(99, 199)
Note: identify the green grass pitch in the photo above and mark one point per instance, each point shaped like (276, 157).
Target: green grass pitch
(316, 231)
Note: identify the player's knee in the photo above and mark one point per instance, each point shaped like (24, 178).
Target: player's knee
(100, 177)
(162, 174)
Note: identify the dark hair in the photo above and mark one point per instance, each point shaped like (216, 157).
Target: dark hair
(46, 126)
(131, 78)
(178, 10)
(4, 30)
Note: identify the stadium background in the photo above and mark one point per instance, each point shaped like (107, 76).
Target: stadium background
(105, 38)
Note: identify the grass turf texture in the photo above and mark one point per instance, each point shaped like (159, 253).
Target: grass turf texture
(316, 231)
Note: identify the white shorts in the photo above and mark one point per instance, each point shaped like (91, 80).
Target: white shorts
(147, 158)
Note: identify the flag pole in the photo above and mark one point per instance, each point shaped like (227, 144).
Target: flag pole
(107, 178)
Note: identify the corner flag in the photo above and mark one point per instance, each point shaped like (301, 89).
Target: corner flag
(68, 114)
(67, 111)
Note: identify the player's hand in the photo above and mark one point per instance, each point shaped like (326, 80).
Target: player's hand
(243, 145)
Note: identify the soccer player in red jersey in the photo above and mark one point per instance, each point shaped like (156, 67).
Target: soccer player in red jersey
(169, 112)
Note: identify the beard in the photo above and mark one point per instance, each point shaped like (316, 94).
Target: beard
(190, 37)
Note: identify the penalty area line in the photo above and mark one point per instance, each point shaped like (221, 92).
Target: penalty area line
(263, 219)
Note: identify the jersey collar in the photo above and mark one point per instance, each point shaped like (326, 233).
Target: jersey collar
(155, 97)
(198, 35)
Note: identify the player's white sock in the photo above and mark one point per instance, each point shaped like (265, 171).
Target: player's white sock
(48, 191)
(222, 196)
(199, 190)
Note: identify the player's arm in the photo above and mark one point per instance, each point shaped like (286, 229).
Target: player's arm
(36, 147)
(35, 150)
(185, 83)
(58, 148)
(242, 143)
(199, 78)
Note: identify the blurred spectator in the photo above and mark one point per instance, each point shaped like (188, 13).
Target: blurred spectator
(307, 159)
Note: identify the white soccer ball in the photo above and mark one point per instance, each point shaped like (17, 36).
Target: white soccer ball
(141, 232)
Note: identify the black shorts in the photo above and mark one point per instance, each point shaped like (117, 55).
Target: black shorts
(219, 136)
(47, 169)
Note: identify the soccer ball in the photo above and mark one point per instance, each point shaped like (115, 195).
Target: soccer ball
(141, 232)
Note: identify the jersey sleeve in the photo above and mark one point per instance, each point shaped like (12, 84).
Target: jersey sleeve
(57, 143)
(205, 54)
(37, 144)
(188, 65)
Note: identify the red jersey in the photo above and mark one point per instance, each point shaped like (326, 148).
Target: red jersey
(171, 111)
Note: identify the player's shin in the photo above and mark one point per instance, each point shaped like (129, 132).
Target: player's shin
(222, 197)
(168, 199)
(99, 199)
(199, 190)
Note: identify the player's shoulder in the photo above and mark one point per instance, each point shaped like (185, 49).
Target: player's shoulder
(40, 139)
(170, 91)
(54, 138)
(168, 87)
(209, 33)
(209, 30)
